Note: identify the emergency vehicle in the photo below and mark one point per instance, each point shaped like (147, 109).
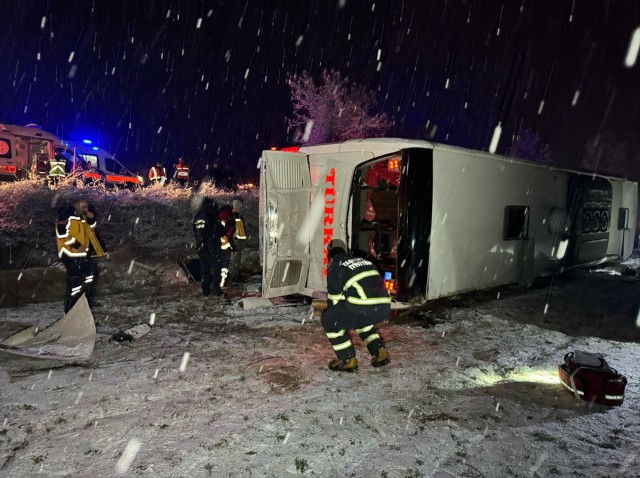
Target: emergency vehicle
(437, 220)
(103, 167)
(25, 151)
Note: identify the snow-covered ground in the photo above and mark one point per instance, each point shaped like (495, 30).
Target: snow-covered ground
(472, 390)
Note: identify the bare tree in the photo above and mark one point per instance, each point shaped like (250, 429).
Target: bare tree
(333, 109)
(527, 144)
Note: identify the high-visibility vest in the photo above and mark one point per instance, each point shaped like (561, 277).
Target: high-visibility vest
(240, 232)
(156, 173)
(182, 172)
(75, 236)
(56, 168)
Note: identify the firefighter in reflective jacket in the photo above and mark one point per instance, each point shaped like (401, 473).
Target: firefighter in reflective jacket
(358, 300)
(77, 242)
(57, 169)
(227, 241)
(239, 239)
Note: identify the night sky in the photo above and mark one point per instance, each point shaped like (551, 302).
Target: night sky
(207, 79)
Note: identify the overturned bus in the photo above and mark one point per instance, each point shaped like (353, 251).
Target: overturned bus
(437, 220)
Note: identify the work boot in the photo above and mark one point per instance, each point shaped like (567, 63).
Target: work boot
(348, 365)
(381, 358)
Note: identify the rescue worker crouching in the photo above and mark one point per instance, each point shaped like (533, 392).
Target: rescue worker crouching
(77, 242)
(358, 300)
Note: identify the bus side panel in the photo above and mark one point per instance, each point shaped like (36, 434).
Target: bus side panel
(469, 250)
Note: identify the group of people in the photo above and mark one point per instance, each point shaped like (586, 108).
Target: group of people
(221, 178)
(219, 234)
(357, 296)
(181, 174)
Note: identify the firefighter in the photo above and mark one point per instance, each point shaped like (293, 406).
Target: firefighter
(358, 300)
(207, 232)
(181, 173)
(77, 242)
(158, 174)
(57, 170)
(227, 241)
(239, 238)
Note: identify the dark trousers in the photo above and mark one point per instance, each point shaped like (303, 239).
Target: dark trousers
(225, 261)
(338, 319)
(236, 261)
(82, 277)
(210, 268)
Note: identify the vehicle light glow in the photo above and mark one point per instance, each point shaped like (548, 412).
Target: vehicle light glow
(394, 164)
(390, 285)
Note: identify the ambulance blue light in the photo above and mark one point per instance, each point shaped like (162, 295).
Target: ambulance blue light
(86, 141)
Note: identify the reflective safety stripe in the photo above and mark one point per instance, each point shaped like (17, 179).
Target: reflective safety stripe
(76, 290)
(363, 299)
(343, 345)
(364, 329)
(200, 223)
(371, 338)
(335, 298)
(371, 301)
(57, 168)
(614, 397)
(335, 335)
(70, 241)
(66, 252)
(88, 279)
(357, 277)
(580, 392)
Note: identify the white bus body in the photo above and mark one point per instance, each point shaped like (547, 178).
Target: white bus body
(438, 220)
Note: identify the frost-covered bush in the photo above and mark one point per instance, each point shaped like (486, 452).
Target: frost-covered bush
(150, 221)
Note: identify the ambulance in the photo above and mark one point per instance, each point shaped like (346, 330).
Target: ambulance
(102, 166)
(25, 151)
(437, 220)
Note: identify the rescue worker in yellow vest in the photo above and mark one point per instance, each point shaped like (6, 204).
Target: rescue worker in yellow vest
(77, 242)
(358, 300)
(239, 239)
(158, 174)
(181, 173)
(57, 170)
